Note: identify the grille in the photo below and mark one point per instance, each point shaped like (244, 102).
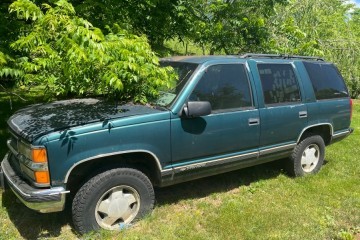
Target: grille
(14, 160)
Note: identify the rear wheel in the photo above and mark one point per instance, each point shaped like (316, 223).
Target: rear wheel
(112, 200)
(307, 157)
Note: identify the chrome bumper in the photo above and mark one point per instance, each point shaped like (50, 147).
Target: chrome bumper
(41, 200)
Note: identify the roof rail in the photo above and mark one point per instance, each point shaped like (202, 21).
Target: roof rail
(281, 56)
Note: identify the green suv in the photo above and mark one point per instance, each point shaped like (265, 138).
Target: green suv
(225, 113)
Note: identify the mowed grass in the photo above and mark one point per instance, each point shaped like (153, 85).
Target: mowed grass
(260, 202)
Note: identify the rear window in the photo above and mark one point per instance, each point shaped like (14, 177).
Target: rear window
(326, 80)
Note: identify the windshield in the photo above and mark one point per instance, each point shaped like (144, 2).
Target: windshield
(184, 71)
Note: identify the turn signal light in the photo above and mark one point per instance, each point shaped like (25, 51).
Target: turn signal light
(42, 177)
(39, 155)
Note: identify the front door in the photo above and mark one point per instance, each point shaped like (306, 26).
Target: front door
(230, 132)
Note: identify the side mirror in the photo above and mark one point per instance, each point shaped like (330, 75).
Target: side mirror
(196, 109)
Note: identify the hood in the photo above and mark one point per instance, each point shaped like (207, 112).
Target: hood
(37, 120)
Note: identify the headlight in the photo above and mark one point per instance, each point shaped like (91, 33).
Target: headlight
(36, 165)
(24, 150)
(37, 155)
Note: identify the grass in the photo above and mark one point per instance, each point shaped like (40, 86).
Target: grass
(261, 202)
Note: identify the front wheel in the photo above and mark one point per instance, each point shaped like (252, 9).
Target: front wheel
(307, 157)
(112, 200)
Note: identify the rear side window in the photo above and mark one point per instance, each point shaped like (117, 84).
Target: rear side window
(326, 80)
(279, 83)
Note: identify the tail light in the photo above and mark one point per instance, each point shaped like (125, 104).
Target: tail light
(351, 108)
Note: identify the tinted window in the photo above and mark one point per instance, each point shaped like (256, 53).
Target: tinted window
(225, 86)
(326, 80)
(279, 83)
(184, 71)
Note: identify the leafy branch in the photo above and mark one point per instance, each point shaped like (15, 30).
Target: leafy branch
(71, 57)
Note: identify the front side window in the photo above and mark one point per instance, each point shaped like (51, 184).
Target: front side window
(184, 71)
(326, 80)
(279, 83)
(225, 86)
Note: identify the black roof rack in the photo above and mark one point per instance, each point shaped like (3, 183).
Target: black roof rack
(281, 56)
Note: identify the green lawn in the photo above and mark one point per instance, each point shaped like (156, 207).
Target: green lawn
(256, 203)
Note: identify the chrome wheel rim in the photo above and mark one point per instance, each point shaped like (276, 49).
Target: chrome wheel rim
(310, 158)
(117, 207)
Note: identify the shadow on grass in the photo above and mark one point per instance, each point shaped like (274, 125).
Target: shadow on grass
(33, 225)
(221, 183)
(218, 183)
(30, 224)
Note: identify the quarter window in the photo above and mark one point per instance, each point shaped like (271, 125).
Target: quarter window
(279, 83)
(326, 80)
(225, 86)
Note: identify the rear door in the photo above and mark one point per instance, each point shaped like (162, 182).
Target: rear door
(283, 114)
(330, 102)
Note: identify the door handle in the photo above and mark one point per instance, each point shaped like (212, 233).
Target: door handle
(254, 121)
(302, 114)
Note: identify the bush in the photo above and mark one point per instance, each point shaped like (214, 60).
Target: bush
(71, 57)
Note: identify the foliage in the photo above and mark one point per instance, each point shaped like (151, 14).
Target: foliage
(158, 20)
(9, 27)
(326, 28)
(227, 25)
(9, 30)
(70, 56)
(232, 26)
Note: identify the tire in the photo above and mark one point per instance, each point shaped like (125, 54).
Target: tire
(112, 200)
(307, 157)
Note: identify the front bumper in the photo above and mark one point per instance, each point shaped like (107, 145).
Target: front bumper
(41, 200)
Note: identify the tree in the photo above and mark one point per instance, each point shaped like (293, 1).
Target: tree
(326, 28)
(71, 57)
(39, 48)
(158, 20)
(232, 26)
(223, 25)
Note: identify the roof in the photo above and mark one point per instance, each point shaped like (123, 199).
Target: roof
(206, 58)
(198, 59)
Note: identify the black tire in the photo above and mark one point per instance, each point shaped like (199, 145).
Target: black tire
(125, 187)
(315, 146)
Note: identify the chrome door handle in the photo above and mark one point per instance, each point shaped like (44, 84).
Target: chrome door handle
(302, 114)
(254, 121)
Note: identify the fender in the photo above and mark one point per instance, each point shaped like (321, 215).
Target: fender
(316, 125)
(114, 154)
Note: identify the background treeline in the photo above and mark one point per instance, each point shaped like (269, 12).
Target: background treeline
(102, 47)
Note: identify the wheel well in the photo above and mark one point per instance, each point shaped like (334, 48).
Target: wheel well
(143, 162)
(323, 130)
